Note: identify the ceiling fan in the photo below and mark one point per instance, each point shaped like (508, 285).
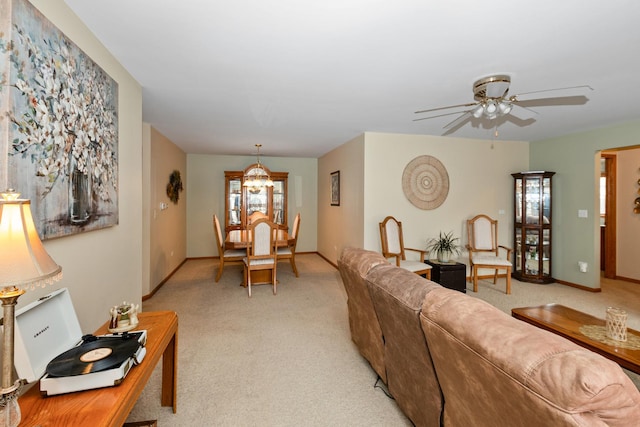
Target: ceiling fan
(492, 100)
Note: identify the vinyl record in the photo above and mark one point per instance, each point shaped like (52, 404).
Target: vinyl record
(93, 356)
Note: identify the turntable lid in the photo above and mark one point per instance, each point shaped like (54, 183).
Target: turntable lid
(44, 329)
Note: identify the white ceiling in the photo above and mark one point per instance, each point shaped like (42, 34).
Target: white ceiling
(302, 77)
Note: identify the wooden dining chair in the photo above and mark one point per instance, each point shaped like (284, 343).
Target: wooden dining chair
(393, 246)
(229, 255)
(255, 216)
(290, 251)
(484, 249)
(261, 253)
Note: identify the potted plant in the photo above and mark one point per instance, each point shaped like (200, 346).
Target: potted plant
(444, 246)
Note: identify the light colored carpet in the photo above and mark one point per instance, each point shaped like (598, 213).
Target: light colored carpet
(614, 293)
(283, 360)
(288, 359)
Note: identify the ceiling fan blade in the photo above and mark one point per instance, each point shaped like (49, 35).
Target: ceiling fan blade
(559, 100)
(439, 115)
(466, 115)
(444, 108)
(566, 91)
(522, 112)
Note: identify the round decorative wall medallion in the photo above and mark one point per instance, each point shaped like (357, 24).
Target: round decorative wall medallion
(425, 182)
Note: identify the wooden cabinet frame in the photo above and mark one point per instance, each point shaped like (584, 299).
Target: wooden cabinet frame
(240, 201)
(532, 227)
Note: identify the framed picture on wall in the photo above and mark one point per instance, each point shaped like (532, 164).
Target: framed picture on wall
(61, 125)
(335, 188)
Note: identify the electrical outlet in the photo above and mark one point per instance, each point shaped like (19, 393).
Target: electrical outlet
(583, 266)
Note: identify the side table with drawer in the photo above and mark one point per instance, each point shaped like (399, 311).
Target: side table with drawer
(451, 275)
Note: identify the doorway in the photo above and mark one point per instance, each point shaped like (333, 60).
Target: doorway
(619, 178)
(608, 225)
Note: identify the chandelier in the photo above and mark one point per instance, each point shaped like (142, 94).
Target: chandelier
(257, 177)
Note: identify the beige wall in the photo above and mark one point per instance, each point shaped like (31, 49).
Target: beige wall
(480, 182)
(205, 186)
(104, 267)
(341, 226)
(167, 244)
(628, 223)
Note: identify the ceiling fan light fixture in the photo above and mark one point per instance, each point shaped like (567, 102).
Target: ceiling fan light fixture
(504, 107)
(478, 111)
(491, 107)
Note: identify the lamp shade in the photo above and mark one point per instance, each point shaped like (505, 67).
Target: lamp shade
(491, 107)
(24, 262)
(477, 112)
(504, 107)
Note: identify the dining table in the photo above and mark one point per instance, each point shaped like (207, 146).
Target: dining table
(241, 239)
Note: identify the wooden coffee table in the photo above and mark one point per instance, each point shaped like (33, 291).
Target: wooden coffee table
(566, 322)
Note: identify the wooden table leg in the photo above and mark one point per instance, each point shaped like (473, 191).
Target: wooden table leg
(170, 374)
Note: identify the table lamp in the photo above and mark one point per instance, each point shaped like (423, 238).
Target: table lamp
(24, 264)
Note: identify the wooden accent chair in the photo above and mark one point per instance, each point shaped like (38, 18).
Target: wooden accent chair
(483, 249)
(262, 253)
(228, 255)
(393, 246)
(290, 251)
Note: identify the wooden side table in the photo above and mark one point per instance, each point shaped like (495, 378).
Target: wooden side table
(110, 406)
(452, 275)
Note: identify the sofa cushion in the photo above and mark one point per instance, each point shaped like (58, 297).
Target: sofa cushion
(493, 367)
(354, 264)
(397, 297)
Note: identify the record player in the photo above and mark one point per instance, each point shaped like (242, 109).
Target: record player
(49, 346)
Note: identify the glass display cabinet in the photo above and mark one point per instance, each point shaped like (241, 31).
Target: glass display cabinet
(532, 226)
(241, 201)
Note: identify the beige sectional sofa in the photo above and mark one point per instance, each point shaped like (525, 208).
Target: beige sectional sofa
(363, 323)
(451, 359)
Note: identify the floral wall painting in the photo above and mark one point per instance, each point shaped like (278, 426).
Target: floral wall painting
(335, 188)
(58, 125)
